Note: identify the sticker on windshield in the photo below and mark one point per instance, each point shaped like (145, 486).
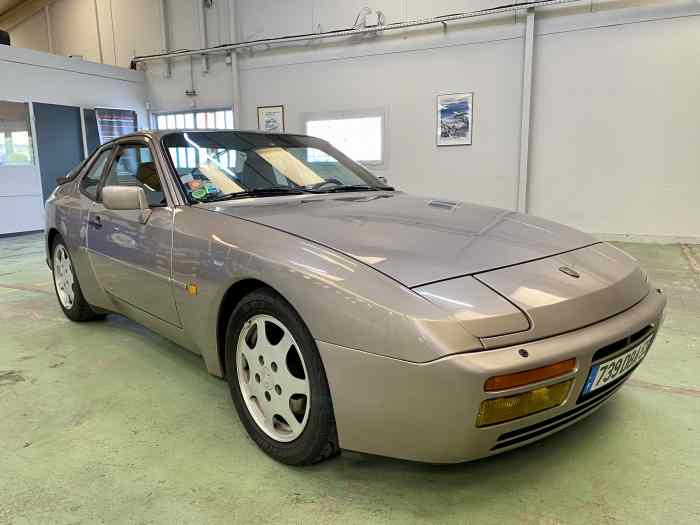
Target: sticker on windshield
(199, 194)
(210, 188)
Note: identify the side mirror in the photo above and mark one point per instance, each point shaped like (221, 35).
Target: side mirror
(382, 180)
(126, 198)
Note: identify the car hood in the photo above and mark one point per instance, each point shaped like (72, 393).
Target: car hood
(412, 239)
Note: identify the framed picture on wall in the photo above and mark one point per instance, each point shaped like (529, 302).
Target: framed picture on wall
(113, 123)
(271, 118)
(454, 119)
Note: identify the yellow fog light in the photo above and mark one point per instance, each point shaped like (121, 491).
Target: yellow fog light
(502, 409)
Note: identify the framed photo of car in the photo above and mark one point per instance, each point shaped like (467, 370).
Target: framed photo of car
(271, 118)
(454, 119)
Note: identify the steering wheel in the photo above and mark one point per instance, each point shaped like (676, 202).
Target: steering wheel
(320, 185)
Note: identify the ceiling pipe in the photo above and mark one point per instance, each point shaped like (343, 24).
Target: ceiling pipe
(267, 42)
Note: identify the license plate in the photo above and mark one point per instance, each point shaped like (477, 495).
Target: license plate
(606, 372)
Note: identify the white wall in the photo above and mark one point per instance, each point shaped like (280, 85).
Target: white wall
(106, 31)
(32, 33)
(601, 68)
(136, 29)
(30, 76)
(74, 30)
(215, 87)
(616, 128)
(405, 85)
(613, 146)
(114, 31)
(273, 18)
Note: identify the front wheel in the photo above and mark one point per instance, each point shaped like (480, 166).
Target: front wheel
(68, 291)
(277, 381)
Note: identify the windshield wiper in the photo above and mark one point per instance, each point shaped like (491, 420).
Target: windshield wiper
(255, 192)
(353, 187)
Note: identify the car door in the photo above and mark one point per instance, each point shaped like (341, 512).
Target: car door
(131, 258)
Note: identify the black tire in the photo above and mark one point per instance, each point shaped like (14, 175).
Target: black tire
(80, 310)
(319, 440)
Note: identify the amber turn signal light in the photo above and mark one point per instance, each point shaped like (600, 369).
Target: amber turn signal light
(527, 377)
(501, 409)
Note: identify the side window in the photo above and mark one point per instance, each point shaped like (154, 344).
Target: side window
(91, 180)
(133, 166)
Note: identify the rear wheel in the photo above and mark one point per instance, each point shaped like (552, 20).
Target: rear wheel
(68, 291)
(277, 381)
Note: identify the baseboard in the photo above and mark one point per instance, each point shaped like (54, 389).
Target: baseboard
(19, 234)
(654, 239)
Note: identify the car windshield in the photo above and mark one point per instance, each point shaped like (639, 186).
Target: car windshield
(219, 165)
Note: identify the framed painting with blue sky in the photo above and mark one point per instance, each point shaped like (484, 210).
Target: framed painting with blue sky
(454, 119)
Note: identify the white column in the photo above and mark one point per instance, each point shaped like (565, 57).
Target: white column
(529, 47)
(164, 45)
(203, 33)
(236, 86)
(99, 33)
(49, 29)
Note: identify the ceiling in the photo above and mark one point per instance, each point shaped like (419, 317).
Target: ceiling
(6, 5)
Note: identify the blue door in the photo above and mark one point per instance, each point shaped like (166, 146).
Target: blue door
(59, 140)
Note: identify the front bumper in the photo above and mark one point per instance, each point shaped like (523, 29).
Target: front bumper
(427, 411)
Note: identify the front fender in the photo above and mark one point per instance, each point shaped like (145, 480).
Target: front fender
(342, 301)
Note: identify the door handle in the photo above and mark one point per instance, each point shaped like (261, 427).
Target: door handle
(96, 222)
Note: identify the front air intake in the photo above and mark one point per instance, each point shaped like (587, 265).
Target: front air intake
(626, 342)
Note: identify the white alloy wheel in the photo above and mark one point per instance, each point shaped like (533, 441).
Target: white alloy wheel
(272, 377)
(63, 277)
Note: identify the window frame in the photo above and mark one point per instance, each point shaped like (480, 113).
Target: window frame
(125, 143)
(382, 113)
(88, 167)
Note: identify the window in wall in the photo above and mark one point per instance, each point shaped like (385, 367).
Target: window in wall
(15, 135)
(190, 157)
(359, 135)
(203, 119)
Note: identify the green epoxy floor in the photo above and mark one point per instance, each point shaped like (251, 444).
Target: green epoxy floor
(108, 423)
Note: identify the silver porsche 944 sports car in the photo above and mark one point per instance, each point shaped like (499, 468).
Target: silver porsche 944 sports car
(345, 314)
